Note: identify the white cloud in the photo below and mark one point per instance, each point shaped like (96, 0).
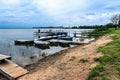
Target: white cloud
(62, 12)
(9, 3)
(57, 7)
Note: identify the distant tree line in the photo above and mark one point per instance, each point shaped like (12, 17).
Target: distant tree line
(110, 25)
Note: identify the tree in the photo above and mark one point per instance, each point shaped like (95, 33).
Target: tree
(115, 19)
(109, 25)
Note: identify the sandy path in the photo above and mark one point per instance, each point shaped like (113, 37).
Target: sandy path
(67, 66)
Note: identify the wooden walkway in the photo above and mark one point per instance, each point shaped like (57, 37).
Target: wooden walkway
(71, 42)
(4, 57)
(10, 69)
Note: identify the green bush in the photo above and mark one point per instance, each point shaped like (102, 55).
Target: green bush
(105, 59)
(101, 31)
(96, 59)
(118, 70)
(95, 72)
(100, 49)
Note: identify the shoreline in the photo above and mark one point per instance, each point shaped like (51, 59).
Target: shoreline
(50, 57)
(67, 64)
(31, 67)
(59, 65)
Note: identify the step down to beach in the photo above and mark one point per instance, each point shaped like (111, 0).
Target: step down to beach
(11, 70)
(2, 57)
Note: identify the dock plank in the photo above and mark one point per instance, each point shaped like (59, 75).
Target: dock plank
(12, 70)
(4, 57)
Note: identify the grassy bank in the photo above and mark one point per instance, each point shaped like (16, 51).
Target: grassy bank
(109, 67)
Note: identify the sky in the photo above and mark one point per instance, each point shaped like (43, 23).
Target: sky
(43, 13)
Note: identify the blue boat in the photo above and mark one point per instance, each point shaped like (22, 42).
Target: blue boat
(44, 38)
(61, 33)
(66, 38)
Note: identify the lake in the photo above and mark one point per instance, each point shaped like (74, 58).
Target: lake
(24, 55)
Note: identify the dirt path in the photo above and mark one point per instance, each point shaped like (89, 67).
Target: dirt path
(71, 64)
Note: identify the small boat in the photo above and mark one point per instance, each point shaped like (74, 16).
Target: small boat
(25, 42)
(62, 33)
(39, 41)
(41, 44)
(66, 38)
(44, 38)
(77, 34)
(49, 33)
(54, 37)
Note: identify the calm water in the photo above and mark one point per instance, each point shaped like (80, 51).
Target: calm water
(24, 55)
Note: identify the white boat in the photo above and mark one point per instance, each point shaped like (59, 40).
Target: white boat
(77, 34)
(38, 41)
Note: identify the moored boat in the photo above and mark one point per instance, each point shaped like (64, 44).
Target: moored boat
(66, 38)
(23, 42)
(39, 41)
(41, 44)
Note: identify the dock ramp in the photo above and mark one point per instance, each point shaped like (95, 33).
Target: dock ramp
(11, 70)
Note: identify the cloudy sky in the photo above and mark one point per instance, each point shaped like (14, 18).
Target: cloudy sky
(30, 13)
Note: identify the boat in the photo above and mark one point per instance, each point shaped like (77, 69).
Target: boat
(23, 42)
(39, 41)
(77, 34)
(50, 33)
(44, 38)
(61, 33)
(66, 38)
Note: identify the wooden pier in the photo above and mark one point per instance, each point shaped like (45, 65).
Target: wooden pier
(78, 43)
(9, 69)
(70, 42)
(2, 57)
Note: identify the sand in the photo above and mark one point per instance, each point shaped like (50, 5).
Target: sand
(67, 64)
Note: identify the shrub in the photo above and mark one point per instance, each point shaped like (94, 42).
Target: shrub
(96, 59)
(95, 72)
(83, 60)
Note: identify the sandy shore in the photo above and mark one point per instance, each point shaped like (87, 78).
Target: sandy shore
(67, 64)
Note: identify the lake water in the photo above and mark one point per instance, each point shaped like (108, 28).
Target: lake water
(24, 55)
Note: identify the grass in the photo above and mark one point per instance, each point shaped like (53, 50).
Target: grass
(101, 31)
(83, 60)
(110, 63)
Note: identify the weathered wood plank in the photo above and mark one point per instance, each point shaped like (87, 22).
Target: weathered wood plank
(6, 75)
(4, 57)
(11, 70)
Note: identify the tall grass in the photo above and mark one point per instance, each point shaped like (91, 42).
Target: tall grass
(110, 63)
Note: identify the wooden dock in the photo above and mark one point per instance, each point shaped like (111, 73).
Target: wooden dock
(4, 57)
(70, 42)
(9, 69)
(78, 43)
